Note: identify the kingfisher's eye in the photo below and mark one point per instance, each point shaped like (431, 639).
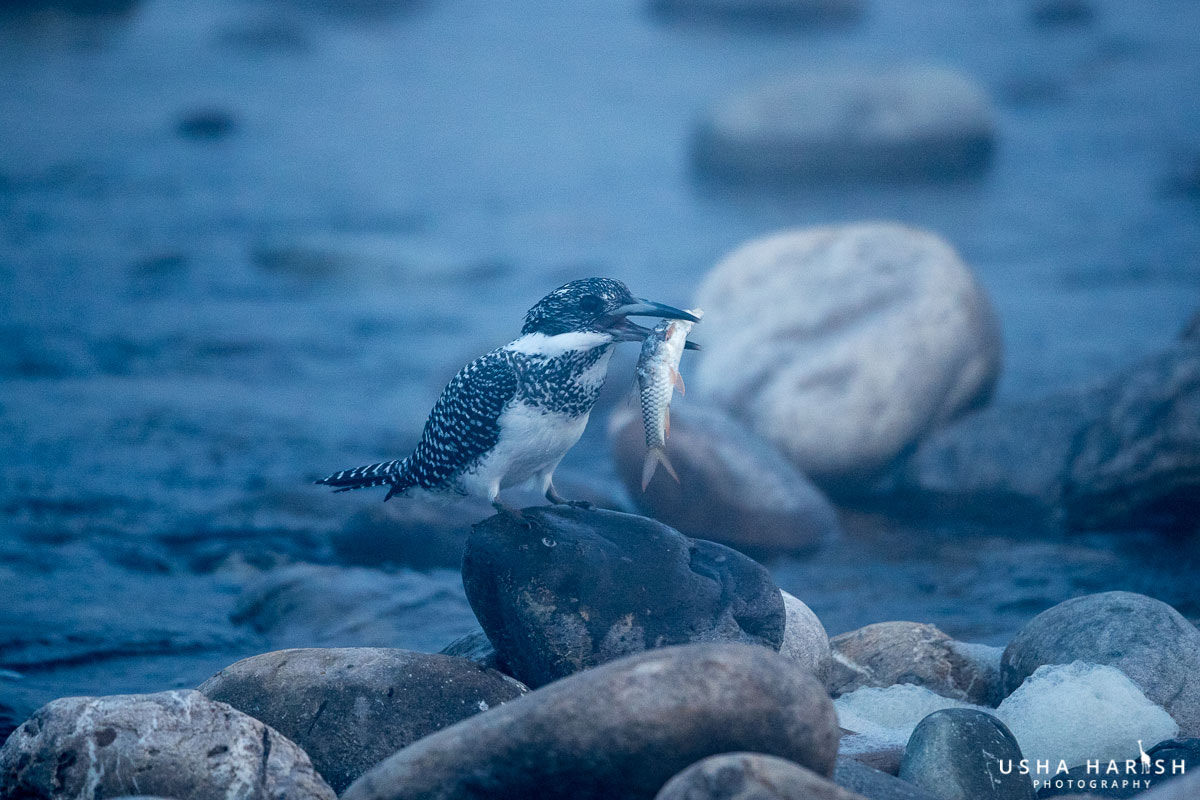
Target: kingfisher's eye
(590, 303)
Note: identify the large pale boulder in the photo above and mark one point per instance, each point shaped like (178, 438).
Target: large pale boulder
(846, 345)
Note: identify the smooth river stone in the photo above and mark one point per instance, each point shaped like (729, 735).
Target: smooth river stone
(622, 729)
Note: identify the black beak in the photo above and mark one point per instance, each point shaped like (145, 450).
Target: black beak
(628, 331)
(648, 308)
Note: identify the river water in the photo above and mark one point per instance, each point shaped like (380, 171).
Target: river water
(245, 243)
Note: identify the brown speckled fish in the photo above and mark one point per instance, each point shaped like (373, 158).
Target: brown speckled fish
(658, 376)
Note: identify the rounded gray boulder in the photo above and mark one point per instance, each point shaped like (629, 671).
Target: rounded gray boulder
(882, 322)
(170, 744)
(566, 589)
(734, 487)
(751, 776)
(1145, 638)
(350, 708)
(622, 729)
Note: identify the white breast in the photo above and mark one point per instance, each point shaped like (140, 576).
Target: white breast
(532, 442)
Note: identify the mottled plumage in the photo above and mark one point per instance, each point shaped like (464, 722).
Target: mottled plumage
(512, 414)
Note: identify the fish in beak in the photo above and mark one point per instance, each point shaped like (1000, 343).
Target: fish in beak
(628, 331)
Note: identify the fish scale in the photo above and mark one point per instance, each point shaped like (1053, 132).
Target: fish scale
(658, 376)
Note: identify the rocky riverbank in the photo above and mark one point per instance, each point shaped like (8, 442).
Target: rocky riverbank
(660, 666)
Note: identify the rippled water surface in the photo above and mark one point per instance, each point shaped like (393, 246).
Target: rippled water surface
(244, 243)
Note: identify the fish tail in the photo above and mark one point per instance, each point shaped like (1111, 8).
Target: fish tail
(654, 456)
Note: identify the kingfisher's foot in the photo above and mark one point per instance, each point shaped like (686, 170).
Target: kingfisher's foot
(558, 500)
(513, 513)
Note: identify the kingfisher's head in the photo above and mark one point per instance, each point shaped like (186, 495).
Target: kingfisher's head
(596, 305)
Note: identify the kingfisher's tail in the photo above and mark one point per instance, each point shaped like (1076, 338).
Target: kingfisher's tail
(385, 473)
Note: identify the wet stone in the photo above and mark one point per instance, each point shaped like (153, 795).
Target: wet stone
(567, 589)
(956, 754)
(350, 708)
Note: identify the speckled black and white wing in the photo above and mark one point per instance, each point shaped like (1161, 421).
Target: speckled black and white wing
(463, 426)
(465, 422)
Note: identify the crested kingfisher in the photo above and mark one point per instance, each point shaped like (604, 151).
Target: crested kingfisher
(512, 414)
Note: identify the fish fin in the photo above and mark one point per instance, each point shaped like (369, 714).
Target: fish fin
(677, 379)
(667, 423)
(654, 457)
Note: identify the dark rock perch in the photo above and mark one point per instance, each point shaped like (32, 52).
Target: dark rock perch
(172, 744)
(957, 752)
(751, 776)
(1145, 638)
(350, 708)
(620, 730)
(575, 588)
